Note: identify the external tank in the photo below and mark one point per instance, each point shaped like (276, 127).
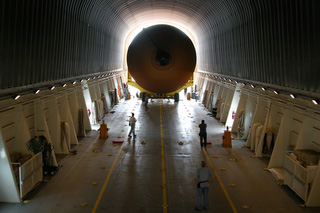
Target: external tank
(161, 59)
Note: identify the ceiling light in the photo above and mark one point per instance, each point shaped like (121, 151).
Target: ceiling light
(315, 102)
(37, 91)
(264, 89)
(276, 92)
(64, 85)
(292, 96)
(74, 82)
(52, 88)
(17, 97)
(236, 82)
(252, 85)
(81, 80)
(243, 84)
(88, 79)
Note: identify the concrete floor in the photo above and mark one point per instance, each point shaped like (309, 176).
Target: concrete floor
(137, 177)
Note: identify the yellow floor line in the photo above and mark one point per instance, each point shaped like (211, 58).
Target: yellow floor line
(106, 181)
(217, 176)
(164, 187)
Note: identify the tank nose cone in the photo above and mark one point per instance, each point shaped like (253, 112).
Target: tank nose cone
(161, 59)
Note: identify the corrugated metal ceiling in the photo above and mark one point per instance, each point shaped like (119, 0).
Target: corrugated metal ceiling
(269, 41)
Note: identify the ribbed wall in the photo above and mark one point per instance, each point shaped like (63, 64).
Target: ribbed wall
(275, 42)
(271, 41)
(51, 40)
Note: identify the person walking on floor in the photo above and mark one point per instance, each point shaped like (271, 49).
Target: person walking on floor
(203, 134)
(203, 176)
(132, 124)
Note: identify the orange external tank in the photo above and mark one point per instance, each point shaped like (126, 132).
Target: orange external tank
(161, 59)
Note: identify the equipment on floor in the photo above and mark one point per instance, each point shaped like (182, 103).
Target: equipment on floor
(103, 131)
(47, 158)
(226, 138)
(40, 144)
(72, 151)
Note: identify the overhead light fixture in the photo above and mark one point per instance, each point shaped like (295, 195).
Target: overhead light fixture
(236, 82)
(64, 85)
(276, 92)
(264, 89)
(315, 102)
(81, 80)
(37, 91)
(252, 85)
(17, 97)
(88, 79)
(74, 82)
(94, 77)
(292, 96)
(230, 80)
(52, 88)
(243, 84)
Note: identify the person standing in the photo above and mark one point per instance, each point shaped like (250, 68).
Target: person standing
(146, 102)
(203, 176)
(203, 134)
(132, 124)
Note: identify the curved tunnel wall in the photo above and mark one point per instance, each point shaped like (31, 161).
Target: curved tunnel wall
(269, 41)
(275, 42)
(45, 41)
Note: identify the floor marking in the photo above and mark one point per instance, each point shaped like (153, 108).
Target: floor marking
(164, 187)
(106, 181)
(217, 176)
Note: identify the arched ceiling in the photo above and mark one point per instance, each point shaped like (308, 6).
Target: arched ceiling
(270, 42)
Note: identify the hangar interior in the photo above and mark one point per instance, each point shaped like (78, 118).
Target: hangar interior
(65, 64)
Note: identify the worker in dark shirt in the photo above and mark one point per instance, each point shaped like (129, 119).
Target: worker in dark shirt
(203, 134)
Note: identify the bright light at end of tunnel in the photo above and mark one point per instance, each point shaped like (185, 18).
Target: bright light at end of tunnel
(137, 30)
